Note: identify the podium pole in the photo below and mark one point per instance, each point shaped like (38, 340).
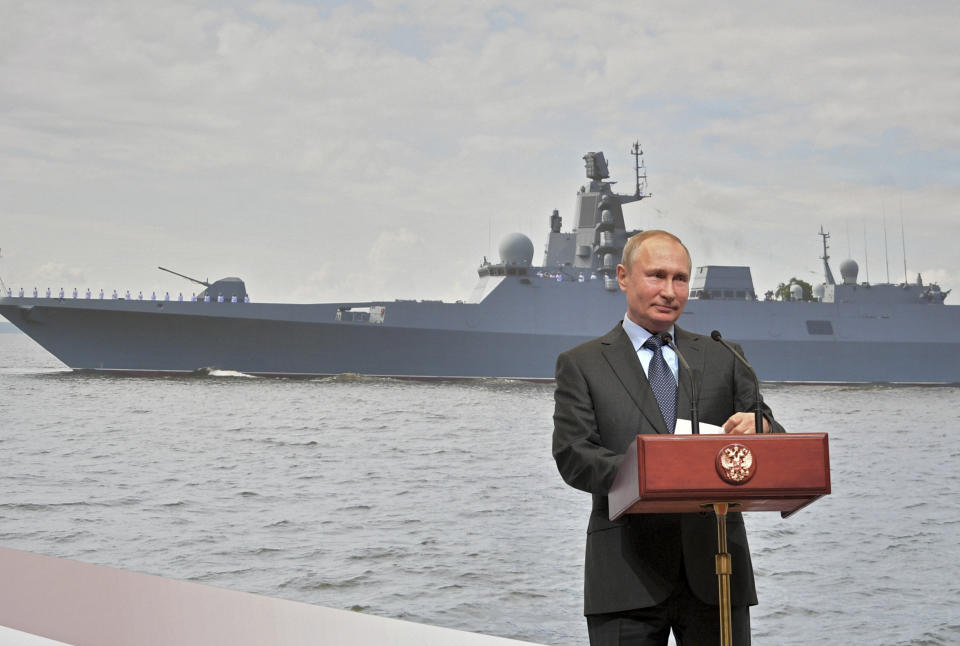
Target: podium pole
(724, 569)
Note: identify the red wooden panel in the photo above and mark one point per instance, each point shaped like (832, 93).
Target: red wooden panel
(665, 473)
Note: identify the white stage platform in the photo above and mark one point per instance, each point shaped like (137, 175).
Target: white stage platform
(43, 598)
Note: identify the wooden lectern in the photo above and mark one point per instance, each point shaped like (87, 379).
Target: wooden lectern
(679, 474)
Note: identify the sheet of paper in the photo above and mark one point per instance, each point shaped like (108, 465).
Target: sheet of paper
(683, 428)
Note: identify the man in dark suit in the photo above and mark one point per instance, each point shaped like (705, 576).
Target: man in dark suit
(646, 574)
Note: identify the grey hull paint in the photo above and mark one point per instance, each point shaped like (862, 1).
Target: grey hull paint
(457, 340)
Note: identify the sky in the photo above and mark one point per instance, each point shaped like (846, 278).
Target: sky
(348, 151)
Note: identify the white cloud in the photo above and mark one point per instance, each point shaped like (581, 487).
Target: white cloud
(279, 141)
(58, 275)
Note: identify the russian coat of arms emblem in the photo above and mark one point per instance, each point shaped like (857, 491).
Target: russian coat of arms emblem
(735, 463)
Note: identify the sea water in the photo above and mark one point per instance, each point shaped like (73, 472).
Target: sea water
(439, 502)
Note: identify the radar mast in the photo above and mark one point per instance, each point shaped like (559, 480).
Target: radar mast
(828, 275)
(638, 166)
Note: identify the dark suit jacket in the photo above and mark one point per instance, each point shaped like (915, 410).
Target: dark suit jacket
(603, 400)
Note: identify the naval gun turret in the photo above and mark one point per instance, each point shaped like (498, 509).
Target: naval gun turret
(228, 287)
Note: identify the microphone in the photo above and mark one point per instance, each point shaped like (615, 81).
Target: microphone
(694, 417)
(758, 415)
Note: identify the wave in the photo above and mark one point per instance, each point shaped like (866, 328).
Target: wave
(215, 372)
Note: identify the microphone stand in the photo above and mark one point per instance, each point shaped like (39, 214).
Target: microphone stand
(758, 415)
(694, 416)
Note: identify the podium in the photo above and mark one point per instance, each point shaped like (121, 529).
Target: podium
(782, 472)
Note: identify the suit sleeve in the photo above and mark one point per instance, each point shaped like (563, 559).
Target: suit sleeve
(745, 394)
(583, 461)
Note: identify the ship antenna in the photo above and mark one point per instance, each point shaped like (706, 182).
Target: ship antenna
(828, 275)
(903, 243)
(2, 284)
(639, 165)
(866, 253)
(886, 247)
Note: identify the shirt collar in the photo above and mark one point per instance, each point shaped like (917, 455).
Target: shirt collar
(639, 335)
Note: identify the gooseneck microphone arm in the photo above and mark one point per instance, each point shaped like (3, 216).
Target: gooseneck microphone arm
(694, 417)
(758, 414)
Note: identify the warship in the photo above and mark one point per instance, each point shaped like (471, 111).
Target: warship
(519, 317)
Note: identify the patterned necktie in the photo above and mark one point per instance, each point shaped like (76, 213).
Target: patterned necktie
(662, 381)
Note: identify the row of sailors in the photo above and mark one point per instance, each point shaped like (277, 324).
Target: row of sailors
(560, 276)
(115, 296)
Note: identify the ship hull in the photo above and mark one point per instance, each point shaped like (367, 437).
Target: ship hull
(515, 332)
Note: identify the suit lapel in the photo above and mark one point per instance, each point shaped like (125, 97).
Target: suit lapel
(692, 348)
(623, 360)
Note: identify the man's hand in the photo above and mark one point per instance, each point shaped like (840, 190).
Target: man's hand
(743, 424)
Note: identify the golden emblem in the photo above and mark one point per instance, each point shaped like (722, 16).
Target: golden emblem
(735, 463)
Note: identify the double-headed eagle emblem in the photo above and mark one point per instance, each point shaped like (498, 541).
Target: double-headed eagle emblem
(735, 463)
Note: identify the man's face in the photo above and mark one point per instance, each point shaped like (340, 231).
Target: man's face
(657, 284)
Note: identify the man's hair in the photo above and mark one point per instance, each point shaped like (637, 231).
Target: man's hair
(633, 245)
